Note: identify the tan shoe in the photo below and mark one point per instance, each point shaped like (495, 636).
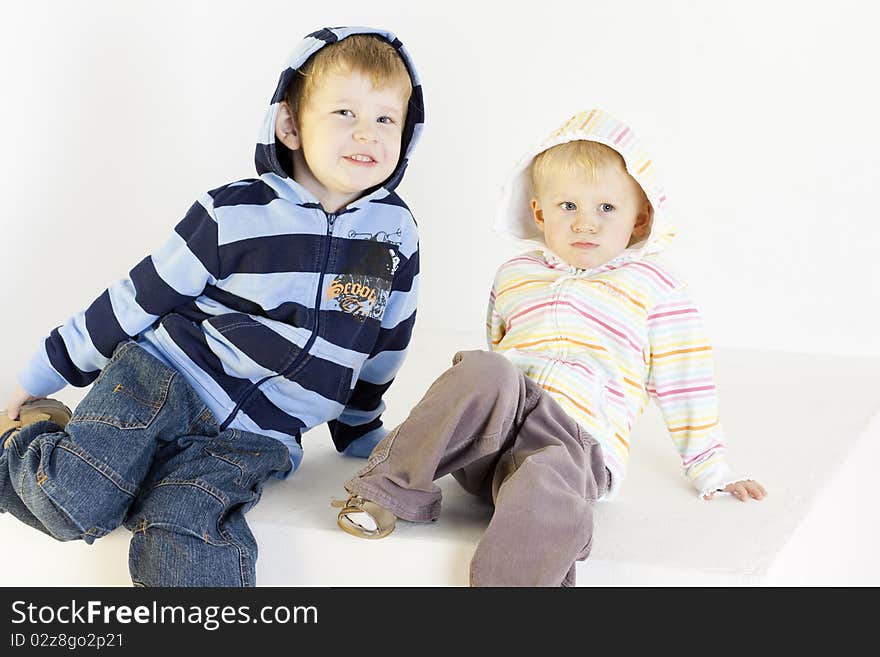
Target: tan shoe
(35, 411)
(360, 517)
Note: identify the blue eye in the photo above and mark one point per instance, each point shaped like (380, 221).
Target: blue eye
(606, 207)
(568, 206)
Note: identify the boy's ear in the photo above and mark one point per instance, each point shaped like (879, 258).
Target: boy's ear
(538, 214)
(643, 222)
(285, 127)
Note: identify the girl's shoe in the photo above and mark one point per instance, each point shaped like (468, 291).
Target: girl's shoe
(363, 518)
(35, 411)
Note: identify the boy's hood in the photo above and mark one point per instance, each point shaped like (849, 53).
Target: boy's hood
(266, 157)
(514, 214)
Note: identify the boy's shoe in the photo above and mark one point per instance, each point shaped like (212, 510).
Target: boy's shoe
(35, 411)
(360, 517)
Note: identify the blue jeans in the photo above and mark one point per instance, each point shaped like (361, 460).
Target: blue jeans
(143, 450)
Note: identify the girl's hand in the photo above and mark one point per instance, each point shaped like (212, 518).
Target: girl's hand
(743, 490)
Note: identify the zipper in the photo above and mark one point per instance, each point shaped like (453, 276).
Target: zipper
(331, 219)
(548, 370)
(555, 309)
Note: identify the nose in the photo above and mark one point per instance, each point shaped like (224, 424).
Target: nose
(584, 225)
(365, 133)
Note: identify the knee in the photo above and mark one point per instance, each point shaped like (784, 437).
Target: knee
(56, 487)
(486, 367)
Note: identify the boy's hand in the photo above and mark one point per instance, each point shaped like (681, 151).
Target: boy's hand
(19, 396)
(743, 490)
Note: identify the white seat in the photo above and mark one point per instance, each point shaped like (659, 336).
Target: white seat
(806, 427)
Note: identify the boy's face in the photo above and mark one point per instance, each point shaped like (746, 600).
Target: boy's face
(347, 138)
(590, 221)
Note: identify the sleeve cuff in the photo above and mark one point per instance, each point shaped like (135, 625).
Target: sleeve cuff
(363, 446)
(39, 378)
(718, 488)
(715, 477)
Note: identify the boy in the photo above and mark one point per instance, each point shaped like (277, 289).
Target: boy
(280, 302)
(582, 332)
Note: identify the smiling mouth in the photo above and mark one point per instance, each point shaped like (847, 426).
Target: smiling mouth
(360, 158)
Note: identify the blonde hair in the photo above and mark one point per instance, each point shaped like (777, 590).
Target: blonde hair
(366, 54)
(579, 156)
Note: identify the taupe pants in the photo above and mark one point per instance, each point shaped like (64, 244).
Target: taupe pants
(502, 437)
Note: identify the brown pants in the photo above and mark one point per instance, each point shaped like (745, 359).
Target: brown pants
(502, 437)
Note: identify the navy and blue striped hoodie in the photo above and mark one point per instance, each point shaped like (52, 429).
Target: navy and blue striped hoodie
(282, 316)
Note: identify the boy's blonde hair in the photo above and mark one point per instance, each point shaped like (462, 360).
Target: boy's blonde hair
(366, 54)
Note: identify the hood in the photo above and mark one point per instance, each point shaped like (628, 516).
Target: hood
(266, 157)
(514, 215)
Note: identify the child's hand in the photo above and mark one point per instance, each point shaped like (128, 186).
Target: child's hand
(19, 397)
(743, 490)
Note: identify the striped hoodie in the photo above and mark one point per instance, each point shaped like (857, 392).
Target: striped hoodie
(281, 316)
(603, 341)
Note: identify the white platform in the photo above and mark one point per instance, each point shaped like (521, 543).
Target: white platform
(807, 427)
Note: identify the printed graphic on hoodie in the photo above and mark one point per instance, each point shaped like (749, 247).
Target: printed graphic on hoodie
(363, 295)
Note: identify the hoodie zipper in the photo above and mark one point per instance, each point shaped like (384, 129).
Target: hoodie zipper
(331, 219)
(550, 369)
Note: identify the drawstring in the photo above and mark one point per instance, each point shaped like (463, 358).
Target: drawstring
(574, 273)
(559, 281)
(555, 261)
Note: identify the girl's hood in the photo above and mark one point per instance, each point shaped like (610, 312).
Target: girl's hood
(514, 215)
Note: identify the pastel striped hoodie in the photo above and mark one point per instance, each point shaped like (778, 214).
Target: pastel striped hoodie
(281, 315)
(603, 341)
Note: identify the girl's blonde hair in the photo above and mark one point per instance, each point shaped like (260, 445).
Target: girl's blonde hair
(580, 156)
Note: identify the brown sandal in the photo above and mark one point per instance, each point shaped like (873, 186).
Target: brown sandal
(35, 411)
(382, 519)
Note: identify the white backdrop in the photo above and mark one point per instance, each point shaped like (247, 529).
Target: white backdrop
(762, 115)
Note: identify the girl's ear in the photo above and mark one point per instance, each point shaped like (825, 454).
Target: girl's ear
(538, 214)
(643, 222)
(285, 127)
